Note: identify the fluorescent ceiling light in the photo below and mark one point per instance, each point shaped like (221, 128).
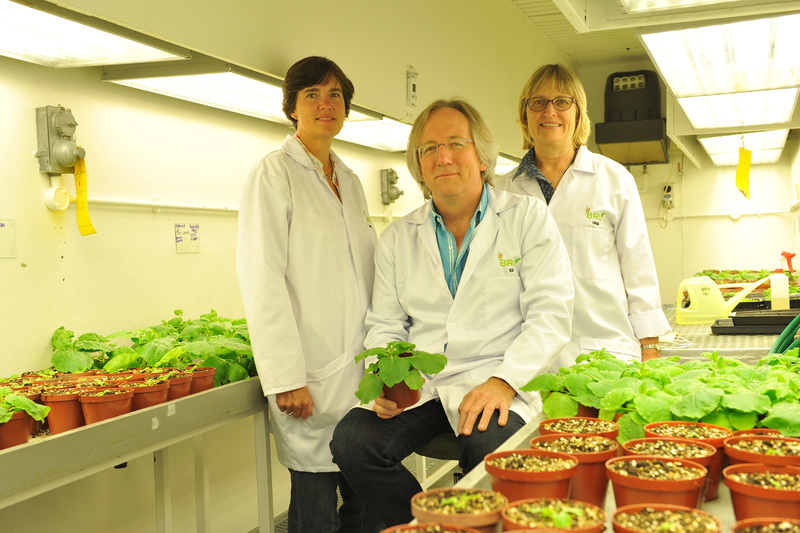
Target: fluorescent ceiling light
(741, 56)
(760, 140)
(766, 147)
(385, 134)
(740, 109)
(761, 157)
(633, 6)
(225, 86)
(60, 38)
(504, 165)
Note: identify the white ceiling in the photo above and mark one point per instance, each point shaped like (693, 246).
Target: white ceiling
(584, 48)
(597, 31)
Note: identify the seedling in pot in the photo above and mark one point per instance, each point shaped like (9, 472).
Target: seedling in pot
(398, 362)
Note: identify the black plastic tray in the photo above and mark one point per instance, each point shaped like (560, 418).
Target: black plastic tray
(725, 326)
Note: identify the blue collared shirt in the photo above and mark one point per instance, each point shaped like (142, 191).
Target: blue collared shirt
(528, 166)
(454, 259)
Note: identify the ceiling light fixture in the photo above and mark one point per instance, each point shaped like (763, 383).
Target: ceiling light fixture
(766, 146)
(45, 34)
(214, 83)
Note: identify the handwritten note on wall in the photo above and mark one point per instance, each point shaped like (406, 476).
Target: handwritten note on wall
(187, 238)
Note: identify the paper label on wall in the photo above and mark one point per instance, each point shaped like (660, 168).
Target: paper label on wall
(187, 238)
(8, 238)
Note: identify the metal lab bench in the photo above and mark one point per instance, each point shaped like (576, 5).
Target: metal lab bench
(721, 507)
(44, 464)
(693, 341)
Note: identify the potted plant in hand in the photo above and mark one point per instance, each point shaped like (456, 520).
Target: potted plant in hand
(398, 372)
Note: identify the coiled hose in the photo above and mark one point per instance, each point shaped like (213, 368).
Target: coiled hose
(786, 340)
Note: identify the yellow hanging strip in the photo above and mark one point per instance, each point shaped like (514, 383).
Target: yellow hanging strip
(82, 203)
(743, 171)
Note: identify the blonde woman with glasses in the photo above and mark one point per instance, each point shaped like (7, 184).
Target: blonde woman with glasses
(596, 205)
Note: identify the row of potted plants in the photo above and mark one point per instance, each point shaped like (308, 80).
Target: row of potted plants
(68, 401)
(92, 369)
(659, 481)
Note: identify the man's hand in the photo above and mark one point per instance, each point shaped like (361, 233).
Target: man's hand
(483, 400)
(385, 408)
(297, 402)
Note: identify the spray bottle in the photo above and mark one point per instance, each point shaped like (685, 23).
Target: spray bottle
(779, 286)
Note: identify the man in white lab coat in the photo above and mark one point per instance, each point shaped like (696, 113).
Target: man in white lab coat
(477, 274)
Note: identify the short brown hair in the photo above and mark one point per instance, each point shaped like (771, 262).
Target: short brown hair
(565, 81)
(485, 144)
(310, 71)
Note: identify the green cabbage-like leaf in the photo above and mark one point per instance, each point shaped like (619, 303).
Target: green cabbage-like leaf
(369, 388)
(393, 370)
(427, 363)
(71, 360)
(560, 405)
(784, 416)
(698, 403)
(747, 401)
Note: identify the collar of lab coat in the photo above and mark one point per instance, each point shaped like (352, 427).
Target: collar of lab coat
(584, 162)
(499, 201)
(295, 150)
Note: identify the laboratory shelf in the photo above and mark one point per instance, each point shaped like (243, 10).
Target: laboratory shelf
(46, 463)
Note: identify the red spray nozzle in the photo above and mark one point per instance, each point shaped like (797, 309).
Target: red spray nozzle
(788, 256)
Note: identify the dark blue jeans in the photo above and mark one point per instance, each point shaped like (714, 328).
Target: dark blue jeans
(313, 501)
(369, 452)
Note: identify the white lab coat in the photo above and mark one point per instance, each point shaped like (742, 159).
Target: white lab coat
(306, 264)
(508, 319)
(599, 214)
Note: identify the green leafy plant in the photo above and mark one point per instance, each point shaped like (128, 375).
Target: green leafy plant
(10, 403)
(209, 341)
(714, 390)
(561, 515)
(398, 361)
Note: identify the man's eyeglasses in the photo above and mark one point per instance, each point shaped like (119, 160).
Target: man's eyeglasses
(560, 103)
(454, 146)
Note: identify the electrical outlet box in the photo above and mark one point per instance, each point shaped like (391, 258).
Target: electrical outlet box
(55, 135)
(668, 196)
(411, 88)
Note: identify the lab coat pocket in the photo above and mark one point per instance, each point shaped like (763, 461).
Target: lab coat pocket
(501, 302)
(333, 390)
(590, 250)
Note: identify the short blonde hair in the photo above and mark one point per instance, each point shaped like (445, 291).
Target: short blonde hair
(565, 82)
(485, 144)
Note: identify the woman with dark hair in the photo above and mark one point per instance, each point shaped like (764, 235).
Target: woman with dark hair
(596, 205)
(305, 265)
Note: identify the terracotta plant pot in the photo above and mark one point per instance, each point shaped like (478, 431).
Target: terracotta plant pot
(98, 408)
(764, 524)
(65, 411)
(147, 395)
(590, 483)
(551, 426)
(428, 527)
(402, 395)
(737, 456)
(715, 470)
(15, 431)
(630, 489)
(756, 431)
(553, 505)
(520, 485)
(702, 460)
(484, 521)
(658, 523)
(202, 379)
(179, 386)
(753, 501)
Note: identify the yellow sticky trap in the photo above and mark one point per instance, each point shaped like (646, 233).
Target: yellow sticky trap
(743, 171)
(81, 201)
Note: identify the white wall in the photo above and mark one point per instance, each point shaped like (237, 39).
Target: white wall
(142, 147)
